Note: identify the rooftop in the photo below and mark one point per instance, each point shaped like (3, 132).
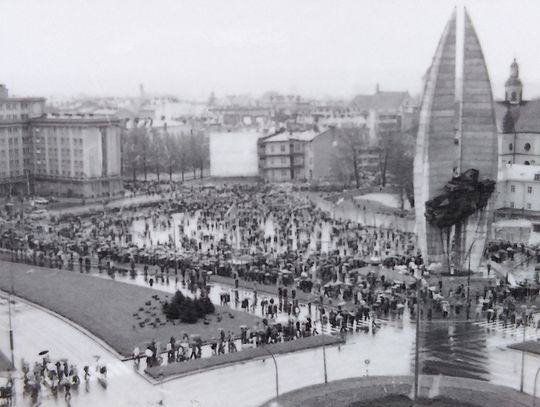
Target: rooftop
(286, 136)
(380, 100)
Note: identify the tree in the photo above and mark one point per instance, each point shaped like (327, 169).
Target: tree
(397, 160)
(348, 145)
(156, 151)
(171, 153)
(133, 150)
(199, 152)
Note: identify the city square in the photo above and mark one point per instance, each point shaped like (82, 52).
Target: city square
(279, 249)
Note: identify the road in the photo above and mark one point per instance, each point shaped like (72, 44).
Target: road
(455, 348)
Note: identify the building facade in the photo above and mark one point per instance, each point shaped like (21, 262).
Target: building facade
(386, 112)
(62, 155)
(518, 123)
(519, 188)
(282, 156)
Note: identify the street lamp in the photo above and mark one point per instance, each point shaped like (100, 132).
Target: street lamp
(469, 279)
(10, 322)
(276, 368)
(323, 349)
(524, 321)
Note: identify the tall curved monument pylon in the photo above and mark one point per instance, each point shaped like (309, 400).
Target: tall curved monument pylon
(456, 155)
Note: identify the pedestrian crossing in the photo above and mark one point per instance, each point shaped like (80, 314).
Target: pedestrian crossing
(512, 330)
(354, 327)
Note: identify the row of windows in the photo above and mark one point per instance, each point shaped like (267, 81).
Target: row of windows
(9, 106)
(513, 205)
(529, 189)
(10, 130)
(527, 146)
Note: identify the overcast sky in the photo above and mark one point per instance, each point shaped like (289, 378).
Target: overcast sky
(190, 48)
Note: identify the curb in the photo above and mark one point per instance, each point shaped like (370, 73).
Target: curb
(229, 364)
(79, 328)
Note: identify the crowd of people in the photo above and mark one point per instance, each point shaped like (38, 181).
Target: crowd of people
(346, 274)
(57, 377)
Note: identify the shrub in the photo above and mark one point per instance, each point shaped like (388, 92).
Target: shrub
(186, 309)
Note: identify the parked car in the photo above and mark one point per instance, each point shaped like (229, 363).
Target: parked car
(39, 214)
(41, 201)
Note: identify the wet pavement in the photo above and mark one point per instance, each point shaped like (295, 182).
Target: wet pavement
(476, 350)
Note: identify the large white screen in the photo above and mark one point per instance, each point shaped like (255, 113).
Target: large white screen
(234, 154)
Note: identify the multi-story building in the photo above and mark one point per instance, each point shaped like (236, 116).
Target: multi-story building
(386, 111)
(519, 187)
(282, 156)
(519, 124)
(518, 120)
(63, 155)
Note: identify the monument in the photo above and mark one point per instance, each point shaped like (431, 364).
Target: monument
(456, 154)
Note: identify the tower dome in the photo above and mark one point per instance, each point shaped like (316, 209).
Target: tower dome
(513, 86)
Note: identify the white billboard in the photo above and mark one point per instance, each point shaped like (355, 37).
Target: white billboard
(234, 154)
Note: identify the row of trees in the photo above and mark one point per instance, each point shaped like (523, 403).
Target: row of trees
(395, 164)
(158, 151)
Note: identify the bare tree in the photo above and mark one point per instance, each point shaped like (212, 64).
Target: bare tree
(349, 144)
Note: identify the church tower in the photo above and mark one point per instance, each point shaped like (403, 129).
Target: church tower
(513, 87)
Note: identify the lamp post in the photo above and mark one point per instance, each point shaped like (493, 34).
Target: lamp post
(276, 368)
(11, 344)
(323, 349)
(468, 305)
(522, 378)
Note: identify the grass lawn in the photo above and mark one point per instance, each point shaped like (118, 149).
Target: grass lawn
(106, 307)
(403, 401)
(242, 356)
(5, 363)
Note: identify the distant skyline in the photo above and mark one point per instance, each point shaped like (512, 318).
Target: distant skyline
(316, 48)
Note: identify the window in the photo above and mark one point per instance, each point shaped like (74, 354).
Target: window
(512, 188)
(514, 96)
(537, 177)
(536, 227)
(511, 204)
(527, 147)
(528, 206)
(283, 148)
(510, 146)
(529, 190)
